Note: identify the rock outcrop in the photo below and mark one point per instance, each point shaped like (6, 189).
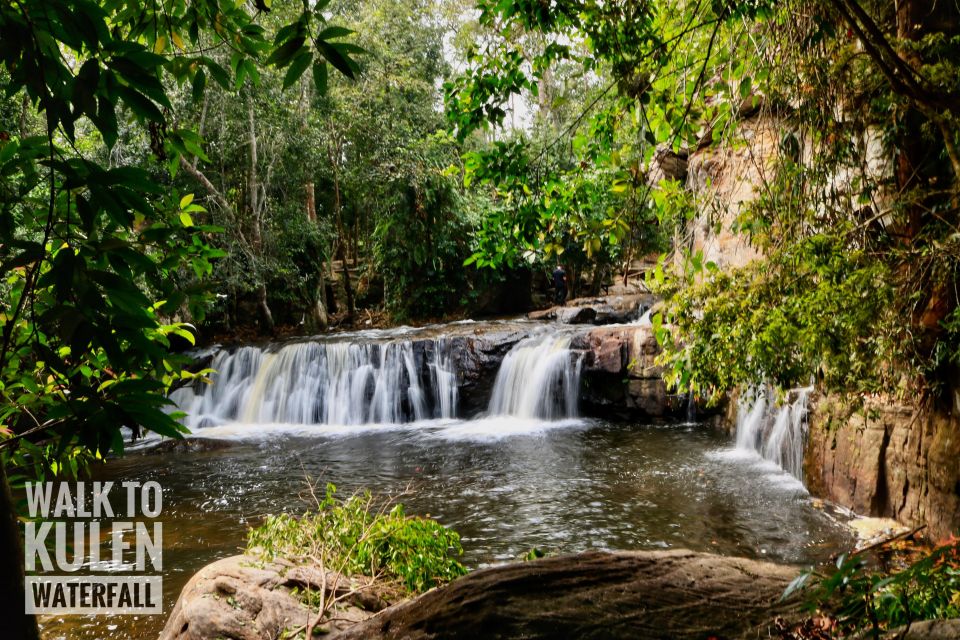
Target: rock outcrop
(927, 630)
(602, 310)
(476, 360)
(650, 595)
(887, 460)
(620, 377)
(243, 598)
(724, 180)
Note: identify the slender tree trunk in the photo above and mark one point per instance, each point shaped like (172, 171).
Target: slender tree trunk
(203, 122)
(24, 108)
(911, 149)
(17, 625)
(341, 231)
(356, 240)
(253, 188)
(319, 310)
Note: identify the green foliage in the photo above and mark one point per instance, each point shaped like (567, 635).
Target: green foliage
(862, 599)
(812, 308)
(351, 537)
(103, 259)
(422, 240)
(860, 258)
(366, 149)
(581, 184)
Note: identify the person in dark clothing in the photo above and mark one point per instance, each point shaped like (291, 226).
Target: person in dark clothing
(560, 284)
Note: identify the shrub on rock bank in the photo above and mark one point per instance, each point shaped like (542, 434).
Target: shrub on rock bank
(359, 536)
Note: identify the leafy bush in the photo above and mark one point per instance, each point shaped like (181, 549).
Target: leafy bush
(860, 598)
(354, 537)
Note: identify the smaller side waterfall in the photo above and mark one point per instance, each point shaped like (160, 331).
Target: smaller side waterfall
(777, 432)
(444, 378)
(539, 378)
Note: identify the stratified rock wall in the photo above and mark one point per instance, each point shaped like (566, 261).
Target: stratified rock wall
(887, 460)
(620, 375)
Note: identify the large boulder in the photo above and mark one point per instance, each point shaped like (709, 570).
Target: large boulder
(611, 309)
(649, 594)
(620, 374)
(244, 598)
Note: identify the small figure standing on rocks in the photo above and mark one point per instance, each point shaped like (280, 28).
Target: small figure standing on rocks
(560, 284)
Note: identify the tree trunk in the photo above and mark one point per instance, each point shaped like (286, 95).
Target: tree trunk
(347, 287)
(253, 189)
(319, 310)
(18, 625)
(341, 231)
(911, 149)
(24, 107)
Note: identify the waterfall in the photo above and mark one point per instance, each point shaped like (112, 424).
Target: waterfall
(776, 432)
(539, 378)
(335, 383)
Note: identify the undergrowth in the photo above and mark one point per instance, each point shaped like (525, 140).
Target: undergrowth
(864, 599)
(358, 536)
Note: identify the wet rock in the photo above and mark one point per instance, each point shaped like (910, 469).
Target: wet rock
(608, 355)
(477, 360)
(169, 445)
(604, 310)
(649, 395)
(576, 315)
(650, 594)
(620, 376)
(544, 314)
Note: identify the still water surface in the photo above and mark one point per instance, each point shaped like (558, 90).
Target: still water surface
(506, 485)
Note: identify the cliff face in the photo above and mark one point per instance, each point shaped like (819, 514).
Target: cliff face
(887, 460)
(724, 180)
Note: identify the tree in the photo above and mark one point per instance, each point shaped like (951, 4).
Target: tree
(857, 283)
(582, 189)
(94, 253)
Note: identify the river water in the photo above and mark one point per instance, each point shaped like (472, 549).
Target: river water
(506, 484)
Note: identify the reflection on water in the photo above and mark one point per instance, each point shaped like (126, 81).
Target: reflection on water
(506, 485)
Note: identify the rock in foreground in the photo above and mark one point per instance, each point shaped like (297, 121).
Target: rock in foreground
(243, 598)
(650, 594)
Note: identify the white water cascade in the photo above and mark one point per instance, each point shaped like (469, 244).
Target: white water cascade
(539, 378)
(332, 383)
(776, 432)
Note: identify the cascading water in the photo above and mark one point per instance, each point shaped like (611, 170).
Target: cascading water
(776, 432)
(335, 383)
(539, 378)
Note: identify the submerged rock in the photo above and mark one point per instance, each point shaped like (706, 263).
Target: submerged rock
(646, 594)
